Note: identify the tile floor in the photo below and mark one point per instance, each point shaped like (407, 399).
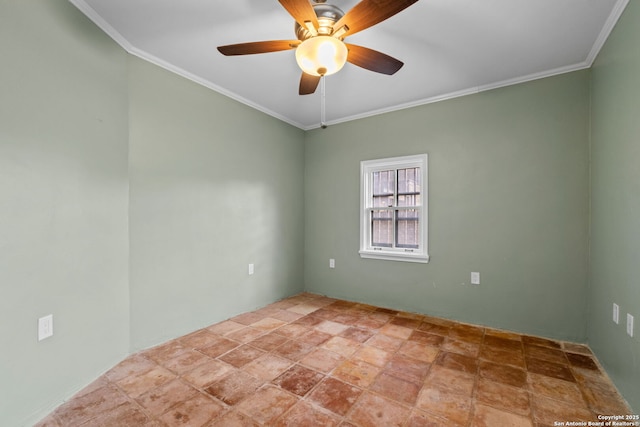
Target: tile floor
(309, 360)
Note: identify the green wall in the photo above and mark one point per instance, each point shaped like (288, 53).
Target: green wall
(508, 197)
(215, 185)
(131, 203)
(63, 205)
(615, 203)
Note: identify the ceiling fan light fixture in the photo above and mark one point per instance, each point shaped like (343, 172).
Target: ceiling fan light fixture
(321, 55)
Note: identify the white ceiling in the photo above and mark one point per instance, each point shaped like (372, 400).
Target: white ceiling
(450, 48)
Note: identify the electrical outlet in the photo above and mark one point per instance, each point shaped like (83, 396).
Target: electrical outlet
(475, 278)
(629, 325)
(251, 269)
(332, 263)
(616, 313)
(45, 327)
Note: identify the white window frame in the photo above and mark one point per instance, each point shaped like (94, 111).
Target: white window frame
(367, 250)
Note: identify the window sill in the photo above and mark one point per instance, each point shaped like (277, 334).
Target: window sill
(395, 256)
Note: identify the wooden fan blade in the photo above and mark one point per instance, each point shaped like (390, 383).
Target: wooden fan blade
(370, 12)
(372, 60)
(258, 47)
(308, 84)
(301, 10)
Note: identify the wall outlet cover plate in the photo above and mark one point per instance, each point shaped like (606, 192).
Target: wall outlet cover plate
(45, 327)
(475, 278)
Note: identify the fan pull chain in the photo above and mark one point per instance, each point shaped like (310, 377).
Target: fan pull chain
(323, 104)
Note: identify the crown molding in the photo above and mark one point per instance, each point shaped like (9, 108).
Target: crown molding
(609, 25)
(102, 24)
(460, 93)
(613, 18)
(132, 50)
(206, 83)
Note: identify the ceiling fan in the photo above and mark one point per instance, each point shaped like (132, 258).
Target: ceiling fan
(320, 30)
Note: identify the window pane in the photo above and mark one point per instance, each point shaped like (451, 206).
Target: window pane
(382, 228)
(408, 199)
(383, 188)
(393, 216)
(407, 228)
(409, 187)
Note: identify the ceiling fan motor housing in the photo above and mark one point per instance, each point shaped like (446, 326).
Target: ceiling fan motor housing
(327, 16)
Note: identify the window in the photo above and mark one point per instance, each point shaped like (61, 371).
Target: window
(393, 205)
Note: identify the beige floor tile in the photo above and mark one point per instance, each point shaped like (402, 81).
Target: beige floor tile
(310, 360)
(502, 396)
(207, 373)
(486, 416)
(322, 360)
(194, 412)
(305, 414)
(451, 406)
(375, 411)
(267, 404)
(451, 380)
